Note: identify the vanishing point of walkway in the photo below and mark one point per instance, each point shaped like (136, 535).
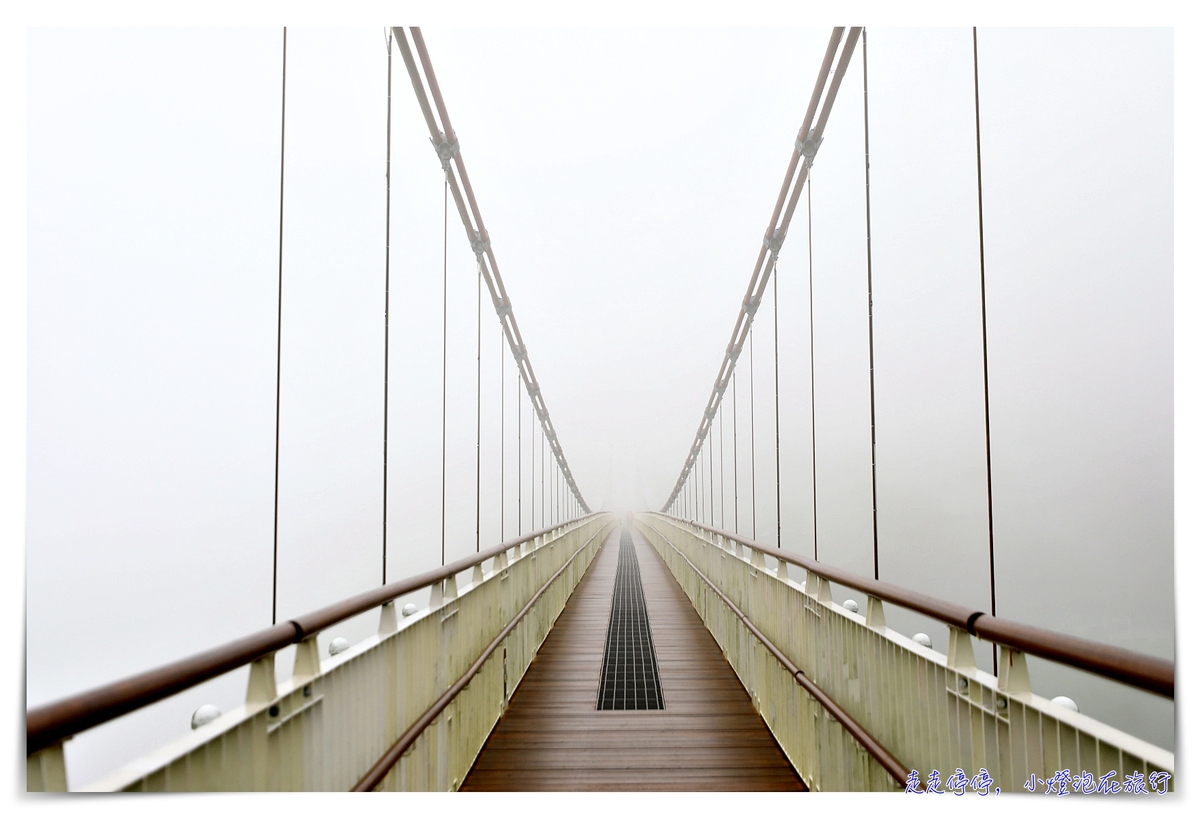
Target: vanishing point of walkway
(708, 737)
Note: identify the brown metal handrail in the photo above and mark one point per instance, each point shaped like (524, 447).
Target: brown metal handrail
(869, 743)
(380, 769)
(1125, 666)
(51, 723)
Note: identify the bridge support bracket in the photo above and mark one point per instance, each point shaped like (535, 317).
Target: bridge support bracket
(959, 655)
(387, 620)
(875, 618)
(817, 587)
(46, 770)
(1014, 672)
(308, 661)
(261, 687)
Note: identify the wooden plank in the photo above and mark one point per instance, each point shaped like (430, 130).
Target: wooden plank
(709, 737)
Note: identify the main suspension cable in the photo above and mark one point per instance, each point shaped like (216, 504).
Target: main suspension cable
(807, 143)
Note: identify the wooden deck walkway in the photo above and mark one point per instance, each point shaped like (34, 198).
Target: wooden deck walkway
(709, 737)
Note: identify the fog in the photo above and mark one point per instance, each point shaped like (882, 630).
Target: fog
(626, 177)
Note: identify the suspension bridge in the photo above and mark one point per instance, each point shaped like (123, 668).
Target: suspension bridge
(653, 650)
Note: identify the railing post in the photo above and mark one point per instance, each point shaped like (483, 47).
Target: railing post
(308, 660)
(817, 587)
(260, 690)
(261, 687)
(875, 619)
(959, 655)
(46, 770)
(1014, 672)
(387, 620)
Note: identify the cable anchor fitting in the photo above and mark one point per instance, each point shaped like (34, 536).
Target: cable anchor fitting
(446, 150)
(480, 245)
(808, 148)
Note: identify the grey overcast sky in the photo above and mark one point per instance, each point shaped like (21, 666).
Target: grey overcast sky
(626, 176)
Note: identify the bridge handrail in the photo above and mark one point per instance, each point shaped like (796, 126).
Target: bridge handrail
(51, 723)
(1135, 669)
(868, 742)
(374, 777)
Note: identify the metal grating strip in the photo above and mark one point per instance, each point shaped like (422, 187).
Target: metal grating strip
(629, 678)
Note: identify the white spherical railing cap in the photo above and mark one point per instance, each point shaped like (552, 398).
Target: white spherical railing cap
(338, 645)
(204, 714)
(923, 639)
(850, 605)
(409, 609)
(1064, 701)
(804, 585)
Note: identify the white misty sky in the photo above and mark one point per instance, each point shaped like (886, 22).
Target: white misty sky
(626, 177)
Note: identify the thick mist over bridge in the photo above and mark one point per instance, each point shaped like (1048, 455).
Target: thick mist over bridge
(184, 446)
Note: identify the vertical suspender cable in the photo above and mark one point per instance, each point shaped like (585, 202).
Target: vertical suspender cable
(279, 335)
(753, 466)
(812, 366)
(721, 411)
(775, 328)
(478, 396)
(870, 307)
(736, 517)
(445, 215)
(387, 291)
(533, 461)
(712, 507)
(520, 476)
(987, 412)
(502, 434)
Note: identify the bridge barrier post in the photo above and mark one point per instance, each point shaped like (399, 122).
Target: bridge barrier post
(46, 770)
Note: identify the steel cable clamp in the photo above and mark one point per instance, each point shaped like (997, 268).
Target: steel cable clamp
(446, 150)
(808, 148)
